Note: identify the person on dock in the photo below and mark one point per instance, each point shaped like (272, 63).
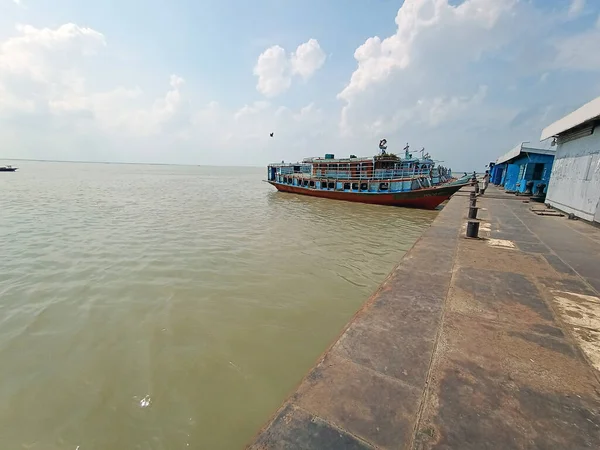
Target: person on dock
(486, 181)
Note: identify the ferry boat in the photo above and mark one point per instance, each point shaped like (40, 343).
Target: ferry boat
(384, 179)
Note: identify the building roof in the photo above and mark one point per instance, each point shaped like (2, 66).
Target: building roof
(519, 149)
(586, 113)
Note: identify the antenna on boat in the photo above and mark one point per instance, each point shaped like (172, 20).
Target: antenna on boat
(406, 154)
(383, 146)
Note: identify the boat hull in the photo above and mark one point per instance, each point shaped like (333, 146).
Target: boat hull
(428, 198)
(8, 169)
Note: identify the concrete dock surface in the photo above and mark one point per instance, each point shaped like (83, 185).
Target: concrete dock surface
(489, 343)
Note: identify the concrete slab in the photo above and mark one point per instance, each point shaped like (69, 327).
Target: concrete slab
(379, 409)
(294, 428)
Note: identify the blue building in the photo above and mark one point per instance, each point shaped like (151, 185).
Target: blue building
(522, 164)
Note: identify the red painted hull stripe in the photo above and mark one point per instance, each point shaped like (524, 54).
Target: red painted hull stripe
(422, 198)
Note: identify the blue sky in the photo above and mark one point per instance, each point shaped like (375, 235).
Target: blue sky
(185, 82)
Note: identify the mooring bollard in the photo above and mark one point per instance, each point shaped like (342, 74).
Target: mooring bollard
(472, 203)
(473, 228)
(473, 212)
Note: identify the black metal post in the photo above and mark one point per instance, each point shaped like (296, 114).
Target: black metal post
(473, 212)
(473, 228)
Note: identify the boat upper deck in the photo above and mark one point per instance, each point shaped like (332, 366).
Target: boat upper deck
(386, 166)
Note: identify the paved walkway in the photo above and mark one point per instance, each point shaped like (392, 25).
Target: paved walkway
(470, 344)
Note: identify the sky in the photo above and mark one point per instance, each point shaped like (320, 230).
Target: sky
(207, 81)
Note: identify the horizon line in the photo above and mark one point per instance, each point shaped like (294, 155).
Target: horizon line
(121, 162)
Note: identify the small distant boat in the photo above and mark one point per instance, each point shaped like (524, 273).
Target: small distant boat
(384, 179)
(8, 169)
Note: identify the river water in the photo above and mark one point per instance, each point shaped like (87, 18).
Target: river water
(171, 307)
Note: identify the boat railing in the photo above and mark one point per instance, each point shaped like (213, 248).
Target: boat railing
(289, 170)
(379, 174)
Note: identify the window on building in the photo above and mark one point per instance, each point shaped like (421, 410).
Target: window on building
(533, 171)
(538, 171)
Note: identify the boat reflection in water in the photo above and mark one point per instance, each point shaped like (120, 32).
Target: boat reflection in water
(385, 179)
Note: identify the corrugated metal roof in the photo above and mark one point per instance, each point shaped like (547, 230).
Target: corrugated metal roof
(516, 151)
(587, 112)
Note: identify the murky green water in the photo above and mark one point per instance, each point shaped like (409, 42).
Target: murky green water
(165, 307)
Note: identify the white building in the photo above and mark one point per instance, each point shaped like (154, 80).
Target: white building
(575, 179)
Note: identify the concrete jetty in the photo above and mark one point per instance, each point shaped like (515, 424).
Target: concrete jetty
(489, 343)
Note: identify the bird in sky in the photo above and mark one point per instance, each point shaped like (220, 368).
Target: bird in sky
(271, 135)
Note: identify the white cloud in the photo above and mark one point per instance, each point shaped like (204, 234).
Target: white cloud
(42, 54)
(576, 7)
(41, 65)
(307, 59)
(433, 44)
(275, 68)
(272, 70)
(456, 34)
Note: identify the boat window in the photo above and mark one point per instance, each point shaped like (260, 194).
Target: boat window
(355, 186)
(364, 186)
(346, 186)
(305, 183)
(331, 185)
(323, 184)
(311, 183)
(383, 186)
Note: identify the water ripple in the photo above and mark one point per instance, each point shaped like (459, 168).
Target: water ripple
(174, 306)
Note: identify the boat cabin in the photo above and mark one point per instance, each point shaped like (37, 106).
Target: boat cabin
(386, 166)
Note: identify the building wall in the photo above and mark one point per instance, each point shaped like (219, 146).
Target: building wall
(528, 173)
(496, 174)
(523, 169)
(575, 180)
(511, 177)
